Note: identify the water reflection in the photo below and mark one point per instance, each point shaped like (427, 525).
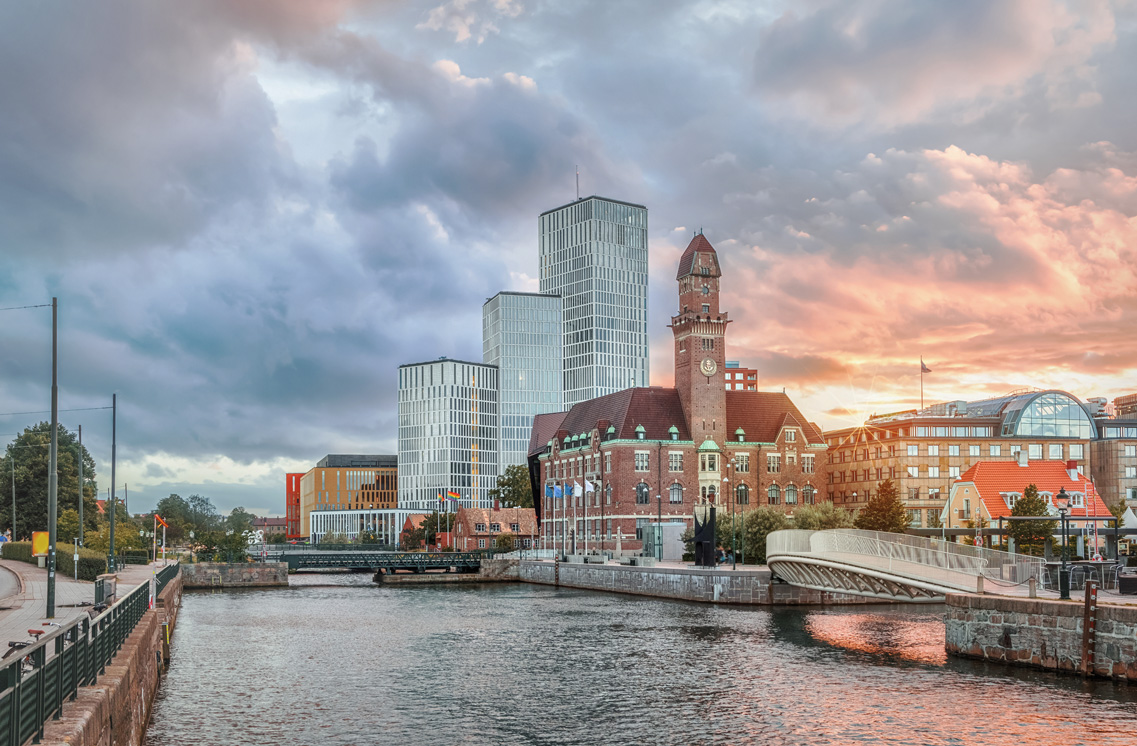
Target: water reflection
(346, 663)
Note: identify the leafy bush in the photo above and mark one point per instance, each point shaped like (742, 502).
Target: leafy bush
(757, 525)
(822, 516)
(92, 564)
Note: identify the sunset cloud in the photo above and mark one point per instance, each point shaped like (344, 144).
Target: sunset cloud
(253, 212)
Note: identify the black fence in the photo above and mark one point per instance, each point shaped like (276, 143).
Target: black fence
(36, 679)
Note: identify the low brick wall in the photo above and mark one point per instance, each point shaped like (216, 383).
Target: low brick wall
(115, 710)
(1041, 634)
(685, 584)
(235, 575)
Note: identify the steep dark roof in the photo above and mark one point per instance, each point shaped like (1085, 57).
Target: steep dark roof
(762, 415)
(686, 262)
(545, 426)
(657, 409)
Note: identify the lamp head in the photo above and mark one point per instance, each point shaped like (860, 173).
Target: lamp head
(1062, 500)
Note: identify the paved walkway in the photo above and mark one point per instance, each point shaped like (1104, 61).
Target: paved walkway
(24, 608)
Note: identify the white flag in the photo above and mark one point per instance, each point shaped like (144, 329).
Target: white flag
(589, 486)
(576, 491)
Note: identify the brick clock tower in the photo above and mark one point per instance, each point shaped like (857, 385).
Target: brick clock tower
(700, 343)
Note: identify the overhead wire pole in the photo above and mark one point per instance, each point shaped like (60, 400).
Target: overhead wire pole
(52, 468)
(110, 502)
(80, 485)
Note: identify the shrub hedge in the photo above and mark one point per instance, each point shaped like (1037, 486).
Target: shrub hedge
(92, 564)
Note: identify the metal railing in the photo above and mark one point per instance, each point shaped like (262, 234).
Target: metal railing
(38, 679)
(910, 556)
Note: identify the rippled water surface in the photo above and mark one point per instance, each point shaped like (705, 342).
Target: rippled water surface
(336, 660)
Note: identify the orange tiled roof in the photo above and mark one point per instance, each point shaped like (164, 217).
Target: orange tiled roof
(992, 478)
(526, 519)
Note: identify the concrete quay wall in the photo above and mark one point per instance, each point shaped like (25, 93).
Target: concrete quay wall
(235, 575)
(1041, 634)
(116, 709)
(705, 585)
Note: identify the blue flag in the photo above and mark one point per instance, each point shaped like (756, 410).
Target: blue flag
(548, 490)
(557, 491)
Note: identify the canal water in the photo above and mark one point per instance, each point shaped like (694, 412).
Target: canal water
(337, 660)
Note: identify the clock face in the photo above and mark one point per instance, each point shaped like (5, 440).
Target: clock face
(708, 367)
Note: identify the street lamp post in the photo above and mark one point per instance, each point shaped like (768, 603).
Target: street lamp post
(730, 490)
(659, 527)
(1062, 502)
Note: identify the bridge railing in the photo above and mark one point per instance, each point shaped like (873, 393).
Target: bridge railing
(925, 559)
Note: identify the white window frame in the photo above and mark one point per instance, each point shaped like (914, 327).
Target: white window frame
(643, 461)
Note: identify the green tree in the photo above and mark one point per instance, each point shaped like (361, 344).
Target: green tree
(513, 488)
(175, 510)
(1030, 536)
(202, 514)
(239, 520)
(822, 516)
(29, 455)
(367, 537)
(67, 525)
(437, 522)
(333, 537)
(757, 525)
(884, 511)
(505, 542)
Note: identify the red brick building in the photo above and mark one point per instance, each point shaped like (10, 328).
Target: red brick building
(478, 528)
(657, 452)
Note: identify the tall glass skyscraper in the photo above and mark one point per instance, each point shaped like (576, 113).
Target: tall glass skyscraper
(593, 253)
(448, 440)
(521, 335)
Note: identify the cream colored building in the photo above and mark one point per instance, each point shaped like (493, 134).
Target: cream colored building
(348, 482)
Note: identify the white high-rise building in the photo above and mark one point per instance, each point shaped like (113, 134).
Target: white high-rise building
(521, 335)
(448, 433)
(593, 253)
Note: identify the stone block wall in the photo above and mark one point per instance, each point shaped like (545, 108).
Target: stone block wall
(235, 575)
(1041, 633)
(683, 583)
(116, 709)
(499, 569)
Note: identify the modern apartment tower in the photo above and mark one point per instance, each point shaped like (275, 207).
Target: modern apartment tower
(522, 337)
(448, 433)
(593, 253)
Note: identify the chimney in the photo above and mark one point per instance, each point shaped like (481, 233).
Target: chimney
(496, 506)
(1072, 470)
(1023, 459)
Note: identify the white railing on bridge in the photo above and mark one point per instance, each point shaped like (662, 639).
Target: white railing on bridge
(916, 557)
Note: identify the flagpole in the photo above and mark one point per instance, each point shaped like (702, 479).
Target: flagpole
(585, 520)
(921, 383)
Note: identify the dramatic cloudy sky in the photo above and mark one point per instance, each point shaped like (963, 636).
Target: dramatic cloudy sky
(252, 212)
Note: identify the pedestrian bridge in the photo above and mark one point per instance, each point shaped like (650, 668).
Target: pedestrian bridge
(896, 567)
(386, 561)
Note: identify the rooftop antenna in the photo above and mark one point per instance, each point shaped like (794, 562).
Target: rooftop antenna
(578, 181)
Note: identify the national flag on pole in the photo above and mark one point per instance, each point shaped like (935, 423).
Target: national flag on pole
(589, 486)
(548, 490)
(924, 368)
(557, 491)
(577, 491)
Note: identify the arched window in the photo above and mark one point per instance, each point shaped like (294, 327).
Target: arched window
(608, 495)
(742, 494)
(791, 494)
(642, 494)
(774, 494)
(1049, 415)
(676, 493)
(808, 494)
(708, 492)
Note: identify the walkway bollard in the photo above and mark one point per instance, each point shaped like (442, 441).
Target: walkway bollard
(1032, 585)
(979, 585)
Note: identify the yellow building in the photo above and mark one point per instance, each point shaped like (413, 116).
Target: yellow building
(348, 482)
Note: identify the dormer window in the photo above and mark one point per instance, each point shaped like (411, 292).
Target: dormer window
(740, 434)
(791, 435)
(1077, 500)
(639, 432)
(704, 270)
(1010, 497)
(673, 432)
